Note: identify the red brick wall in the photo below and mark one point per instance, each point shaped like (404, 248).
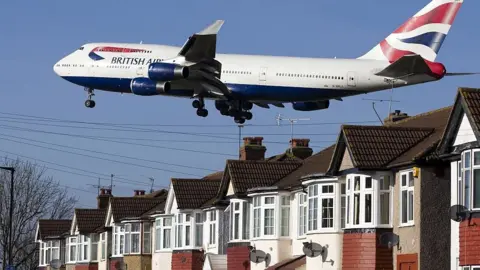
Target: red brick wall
(238, 256)
(361, 251)
(470, 242)
(89, 266)
(187, 260)
(113, 262)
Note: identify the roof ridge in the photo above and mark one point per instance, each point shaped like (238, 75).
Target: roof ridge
(387, 127)
(420, 115)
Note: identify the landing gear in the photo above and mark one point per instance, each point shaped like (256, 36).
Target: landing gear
(239, 110)
(89, 103)
(200, 106)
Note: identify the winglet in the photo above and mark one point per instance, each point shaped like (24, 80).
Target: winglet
(212, 29)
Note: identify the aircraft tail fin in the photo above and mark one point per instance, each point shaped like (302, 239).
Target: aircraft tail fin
(423, 34)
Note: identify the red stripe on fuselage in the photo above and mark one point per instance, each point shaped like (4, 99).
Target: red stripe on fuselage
(445, 14)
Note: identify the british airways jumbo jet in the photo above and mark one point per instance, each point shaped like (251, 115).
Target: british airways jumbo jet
(237, 82)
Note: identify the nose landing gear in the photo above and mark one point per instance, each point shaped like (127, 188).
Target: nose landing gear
(89, 103)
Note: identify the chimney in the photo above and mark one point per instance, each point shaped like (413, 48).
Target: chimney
(300, 148)
(395, 116)
(138, 192)
(103, 198)
(252, 149)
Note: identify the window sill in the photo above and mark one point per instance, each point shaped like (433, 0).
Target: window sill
(406, 225)
(163, 251)
(323, 231)
(268, 238)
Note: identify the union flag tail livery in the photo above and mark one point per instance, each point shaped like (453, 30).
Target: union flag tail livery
(237, 82)
(423, 34)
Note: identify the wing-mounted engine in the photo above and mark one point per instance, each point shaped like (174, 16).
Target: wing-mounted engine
(311, 106)
(147, 87)
(167, 72)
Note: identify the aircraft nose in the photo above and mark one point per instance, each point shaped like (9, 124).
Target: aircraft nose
(56, 68)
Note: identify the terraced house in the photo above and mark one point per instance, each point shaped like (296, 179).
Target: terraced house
(379, 198)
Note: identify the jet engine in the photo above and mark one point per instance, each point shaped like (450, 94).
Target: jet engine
(147, 87)
(311, 106)
(167, 72)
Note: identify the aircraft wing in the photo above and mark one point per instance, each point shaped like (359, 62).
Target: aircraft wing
(405, 66)
(202, 45)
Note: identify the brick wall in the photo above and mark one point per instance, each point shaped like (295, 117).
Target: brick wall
(87, 266)
(113, 262)
(470, 241)
(361, 250)
(238, 256)
(187, 260)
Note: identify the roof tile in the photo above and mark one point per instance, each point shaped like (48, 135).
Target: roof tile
(131, 207)
(193, 193)
(53, 228)
(88, 220)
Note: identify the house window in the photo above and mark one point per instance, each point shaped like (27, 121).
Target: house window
(71, 249)
(163, 233)
(343, 210)
(199, 220)
(147, 238)
(356, 200)
(83, 248)
(183, 230)
(470, 180)
(118, 240)
(323, 195)
(257, 217)
(55, 250)
(212, 227)
(240, 215)
(41, 253)
(285, 216)
(460, 198)
(269, 216)
(103, 244)
(94, 247)
(302, 213)
(385, 187)
(406, 198)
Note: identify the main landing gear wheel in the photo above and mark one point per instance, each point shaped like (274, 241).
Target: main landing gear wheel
(200, 106)
(89, 103)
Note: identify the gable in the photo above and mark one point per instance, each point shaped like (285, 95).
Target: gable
(73, 226)
(347, 162)
(464, 133)
(230, 190)
(170, 200)
(109, 219)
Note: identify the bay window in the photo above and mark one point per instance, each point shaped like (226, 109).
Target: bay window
(103, 246)
(55, 250)
(240, 220)
(147, 238)
(269, 216)
(183, 230)
(71, 249)
(302, 213)
(264, 216)
(406, 198)
(118, 240)
(469, 180)
(82, 247)
(41, 254)
(94, 247)
(285, 216)
(212, 228)
(163, 233)
(199, 220)
(321, 199)
(366, 201)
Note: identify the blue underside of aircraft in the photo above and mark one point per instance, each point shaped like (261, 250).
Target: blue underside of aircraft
(244, 91)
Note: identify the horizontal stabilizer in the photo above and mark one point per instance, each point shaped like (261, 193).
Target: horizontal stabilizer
(405, 66)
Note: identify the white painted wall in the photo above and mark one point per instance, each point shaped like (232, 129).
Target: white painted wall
(454, 226)
(162, 260)
(335, 244)
(465, 132)
(279, 250)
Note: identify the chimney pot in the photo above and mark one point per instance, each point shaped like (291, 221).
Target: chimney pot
(103, 198)
(138, 192)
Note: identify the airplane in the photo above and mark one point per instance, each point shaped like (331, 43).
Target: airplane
(238, 82)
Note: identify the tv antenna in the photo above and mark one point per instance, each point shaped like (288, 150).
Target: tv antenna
(292, 122)
(98, 186)
(152, 180)
(381, 100)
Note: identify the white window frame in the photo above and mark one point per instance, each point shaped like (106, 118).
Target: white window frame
(103, 246)
(71, 243)
(260, 204)
(302, 214)
(316, 197)
(118, 240)
(164, 225)
(239, 232)
(129, 233)
(146, 238)
(183, 223)
(199, 229)
(409, 189)
(343, 205)
(212, 227)
(82, 242)
(55, 248)
(93, 247)
(285, 216)
(389, 192)
(41, 253)
(468, 198)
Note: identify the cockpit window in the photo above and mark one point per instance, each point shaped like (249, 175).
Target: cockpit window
(81, 48)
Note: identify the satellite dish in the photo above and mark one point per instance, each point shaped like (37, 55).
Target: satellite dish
(55, 264)
(258, 256)
(120, 265)
(313, 249)
(458, 213)
(389, 239)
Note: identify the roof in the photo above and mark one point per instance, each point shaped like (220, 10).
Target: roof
(133, 207)
(53, 228)
(250, 174)
(214, 176)
(471, 98)
(317, 163)
(217, 261)
(396, 144)
(88, 220)
(193, 193)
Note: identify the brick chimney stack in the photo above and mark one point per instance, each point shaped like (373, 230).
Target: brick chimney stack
(395, 116)
(138, 192)
(300, 148)
(103, 198)
(252, 149)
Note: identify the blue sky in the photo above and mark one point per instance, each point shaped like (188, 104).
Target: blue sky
(36, 34)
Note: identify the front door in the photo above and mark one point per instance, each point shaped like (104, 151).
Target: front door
(263, 74)
(407, 262)
(351, 79)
